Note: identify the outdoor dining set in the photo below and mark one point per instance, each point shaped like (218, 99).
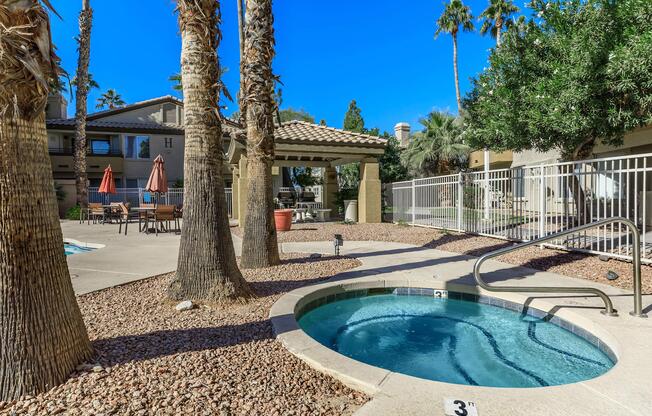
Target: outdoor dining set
(150, 215)
(303, 205)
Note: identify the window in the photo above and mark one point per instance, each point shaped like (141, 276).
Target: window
(131, 183)
(100, 146)
(137, 147)
(168, 142)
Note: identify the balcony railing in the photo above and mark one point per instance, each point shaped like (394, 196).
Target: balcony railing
(68, 151)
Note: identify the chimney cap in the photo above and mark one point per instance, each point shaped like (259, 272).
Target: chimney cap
(402, 126)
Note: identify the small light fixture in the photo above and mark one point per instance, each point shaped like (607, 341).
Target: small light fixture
(611, 275)
(338, 242)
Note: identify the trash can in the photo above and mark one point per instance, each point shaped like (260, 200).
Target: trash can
(351, 210)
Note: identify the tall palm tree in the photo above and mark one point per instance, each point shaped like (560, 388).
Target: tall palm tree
(81, 102)
(42, 334)
(110, 99)
(438, 147)
(206, 268)
(259, 245)
(90, 85)
(224, 92)
(242, 105)
(496, 17)
(455, 15)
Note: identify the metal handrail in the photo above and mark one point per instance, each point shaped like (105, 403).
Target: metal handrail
(609, 310)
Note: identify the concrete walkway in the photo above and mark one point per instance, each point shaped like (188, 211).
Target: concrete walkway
(624, 390)
(123, 259)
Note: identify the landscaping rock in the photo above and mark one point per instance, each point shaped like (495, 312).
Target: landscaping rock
(315, 256)
(186, 305)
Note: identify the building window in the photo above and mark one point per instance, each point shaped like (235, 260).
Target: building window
(100, 146)
(168, 142)
(131, 183)
(137, 147)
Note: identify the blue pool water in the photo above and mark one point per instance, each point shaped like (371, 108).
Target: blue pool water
(75, 249)
(454, 341)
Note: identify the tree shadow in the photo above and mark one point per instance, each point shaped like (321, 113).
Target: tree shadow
(475, 252)
(142, 347)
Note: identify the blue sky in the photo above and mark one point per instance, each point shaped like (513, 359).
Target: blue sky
(379, 52)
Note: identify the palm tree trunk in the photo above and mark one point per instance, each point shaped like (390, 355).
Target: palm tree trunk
(207, 268)
(499, 29)
(242, 106)
(81, 177)
(259, 246)
(457, 78)
(42, 334)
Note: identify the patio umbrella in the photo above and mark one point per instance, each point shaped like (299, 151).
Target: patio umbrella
(108, 184)
(158, 181)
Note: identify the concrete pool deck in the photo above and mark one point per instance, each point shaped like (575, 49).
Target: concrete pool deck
(624, 390)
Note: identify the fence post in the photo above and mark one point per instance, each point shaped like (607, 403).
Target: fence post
(542, 203)
(414, 202)
(460, 201)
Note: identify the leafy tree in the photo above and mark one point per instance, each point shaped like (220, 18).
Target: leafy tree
(496, 17)
(455, 15)
(259, 243)
(322, 122)
(578, 76)
(110, 99)
(391, 167)
(353, 120)
(303, 176)
(82, 84)
(43, 337)
(206, 268)
(290, 114)
(438, 148)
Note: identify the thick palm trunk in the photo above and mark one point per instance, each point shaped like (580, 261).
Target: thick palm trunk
(207, 268)
(457, 78)
(259, 246)
(242, 106)
(42, 334)
(81, 177)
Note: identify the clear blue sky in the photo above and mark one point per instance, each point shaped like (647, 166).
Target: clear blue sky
(328, 52)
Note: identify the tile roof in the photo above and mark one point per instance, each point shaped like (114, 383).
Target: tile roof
(119, 126)
(296, 131)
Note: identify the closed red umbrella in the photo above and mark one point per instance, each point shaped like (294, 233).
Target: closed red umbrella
(108, 184)
(158, 181)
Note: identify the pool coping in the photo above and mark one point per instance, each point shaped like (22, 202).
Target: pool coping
(83, 244)
(368, 378)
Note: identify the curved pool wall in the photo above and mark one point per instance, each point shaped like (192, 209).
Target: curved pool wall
(72, 246)
(597, 362)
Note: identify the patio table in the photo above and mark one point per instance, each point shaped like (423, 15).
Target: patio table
(309, 207)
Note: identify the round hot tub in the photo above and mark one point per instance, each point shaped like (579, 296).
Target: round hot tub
(455, 337)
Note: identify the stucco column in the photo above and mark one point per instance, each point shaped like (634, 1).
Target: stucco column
(235, 192)
(242, 189)
(329, 189)
(369, 195)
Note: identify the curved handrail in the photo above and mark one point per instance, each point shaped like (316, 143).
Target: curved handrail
(609, 310)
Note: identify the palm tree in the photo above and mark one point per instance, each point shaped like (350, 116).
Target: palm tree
(259, 245)
(42, 333)
(110, 99)
(207, 268)
(241, 38)
(91, 84)
(438, 147)
(455, 15)
(81, 102)
(224, 92)
(496, 17)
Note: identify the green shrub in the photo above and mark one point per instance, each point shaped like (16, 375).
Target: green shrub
(73, 213)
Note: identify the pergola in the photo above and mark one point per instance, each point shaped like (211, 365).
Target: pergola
(299, 143)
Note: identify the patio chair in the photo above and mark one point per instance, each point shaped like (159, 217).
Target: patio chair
(96, 212)
(164, 214)
(125, 215)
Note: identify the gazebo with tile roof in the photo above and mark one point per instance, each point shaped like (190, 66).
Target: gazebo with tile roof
(298, 143)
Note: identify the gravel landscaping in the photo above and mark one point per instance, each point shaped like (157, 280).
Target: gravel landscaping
(572, 264)
(211, 360)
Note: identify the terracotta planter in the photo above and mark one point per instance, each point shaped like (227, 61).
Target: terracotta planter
(283, 219)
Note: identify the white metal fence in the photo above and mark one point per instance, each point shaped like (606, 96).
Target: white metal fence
(528, 202)
(137, 196)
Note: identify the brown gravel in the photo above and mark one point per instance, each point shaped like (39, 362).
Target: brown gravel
(213, 360)
(572, 264)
